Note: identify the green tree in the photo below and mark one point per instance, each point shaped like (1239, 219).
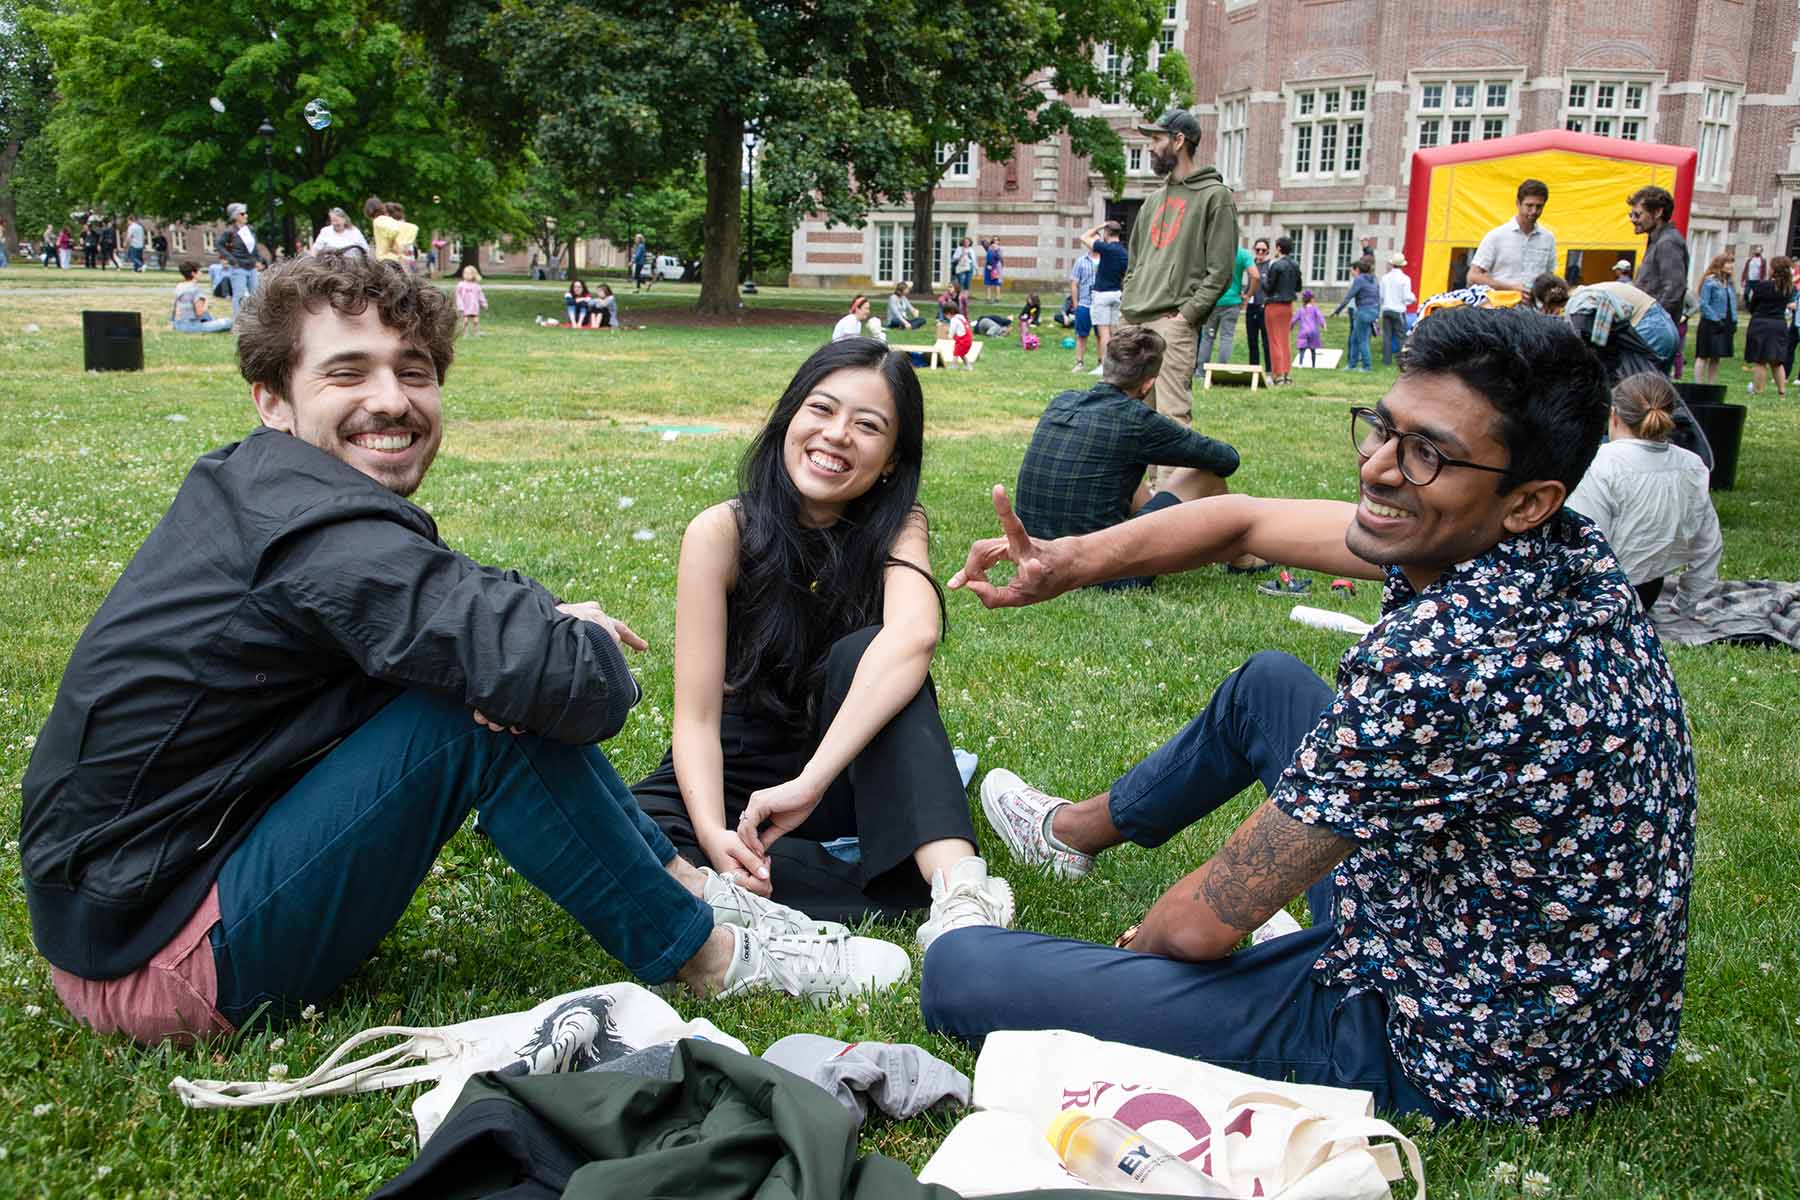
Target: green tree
(624, 94)
(955, 93)
(135, 126)
(27, 91)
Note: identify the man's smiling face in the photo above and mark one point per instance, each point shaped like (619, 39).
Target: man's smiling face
(362, 394)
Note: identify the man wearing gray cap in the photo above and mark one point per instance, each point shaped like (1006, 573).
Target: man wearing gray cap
(1182, 250)
(237, 246)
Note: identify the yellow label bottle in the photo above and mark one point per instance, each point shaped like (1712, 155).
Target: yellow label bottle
(1111, 1154)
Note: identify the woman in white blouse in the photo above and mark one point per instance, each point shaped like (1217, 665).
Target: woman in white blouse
(341, 235)
(1650, 498)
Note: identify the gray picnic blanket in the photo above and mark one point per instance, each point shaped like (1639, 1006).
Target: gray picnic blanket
(1758, 611)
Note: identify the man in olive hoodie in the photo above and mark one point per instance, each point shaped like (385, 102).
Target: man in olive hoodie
(1181, 256)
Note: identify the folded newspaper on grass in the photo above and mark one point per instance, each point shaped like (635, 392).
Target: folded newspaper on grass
(577, 1031)
(1255, 1137)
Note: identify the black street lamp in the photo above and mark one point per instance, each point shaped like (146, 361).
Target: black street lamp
(750, 262)
(266, 132)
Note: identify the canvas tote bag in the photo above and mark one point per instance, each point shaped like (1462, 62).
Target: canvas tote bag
(1254, 1137)
(577, 1031)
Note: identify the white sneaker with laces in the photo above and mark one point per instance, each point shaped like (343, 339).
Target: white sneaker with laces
(1095, 371)
(1079, 367)
(1020, 814)
(734, 904)
(967, 896)
(822, 969)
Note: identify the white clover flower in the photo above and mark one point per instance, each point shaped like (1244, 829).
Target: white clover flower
(1504, 1172)
(42, 1110)
(102, 1171)
(277, 1044)
(1536, 1183)
(278, 1071)
(34, 1010)
(309, 1013)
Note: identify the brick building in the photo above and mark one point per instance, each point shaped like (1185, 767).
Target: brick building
(1312, 109)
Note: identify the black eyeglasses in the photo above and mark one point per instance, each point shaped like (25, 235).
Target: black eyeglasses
(1369, 432)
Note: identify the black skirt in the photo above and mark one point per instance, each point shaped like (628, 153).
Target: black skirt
(1714, 339)
(1766, 340)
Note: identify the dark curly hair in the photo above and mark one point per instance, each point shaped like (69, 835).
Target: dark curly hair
(1549, 390)
(268, 342)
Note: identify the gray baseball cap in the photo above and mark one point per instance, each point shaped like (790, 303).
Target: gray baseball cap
(1176, 120)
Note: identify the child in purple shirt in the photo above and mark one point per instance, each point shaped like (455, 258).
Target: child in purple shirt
(1310, 323)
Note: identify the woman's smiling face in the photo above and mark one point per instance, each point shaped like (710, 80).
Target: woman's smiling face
(840, 442)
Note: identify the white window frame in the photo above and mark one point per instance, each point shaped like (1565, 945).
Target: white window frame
(178, 241)
(496, 255)
(209, 241)
(1600, 103)
(1439, 117)
(1717, 141)
(1234, 130)
(1137, 159)
(885, 245)
(1320, 249)
(1114, 66)
(1344, 253)
(961, 157)
(1319, 113)
(1168, 36)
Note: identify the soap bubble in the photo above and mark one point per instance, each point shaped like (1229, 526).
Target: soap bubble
(218, 105)
(317, 114)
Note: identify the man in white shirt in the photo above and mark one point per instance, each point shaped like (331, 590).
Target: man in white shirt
(1396, 297)
(1517, 252)
(134, 243)
(851, 323)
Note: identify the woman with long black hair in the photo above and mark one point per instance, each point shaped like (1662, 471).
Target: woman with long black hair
(810, 769)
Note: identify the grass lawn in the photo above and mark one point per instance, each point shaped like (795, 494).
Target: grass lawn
(548, 433)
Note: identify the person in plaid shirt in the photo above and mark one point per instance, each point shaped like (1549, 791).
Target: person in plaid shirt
(1491, 814)
(1084, 469)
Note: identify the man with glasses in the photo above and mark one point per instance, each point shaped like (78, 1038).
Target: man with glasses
(1491, 814)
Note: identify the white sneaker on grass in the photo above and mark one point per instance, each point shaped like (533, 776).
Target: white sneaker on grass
(822, 969)
(966, 897)
(1020, 814)
(1078, 368)
(734, 904)
(1095, 371)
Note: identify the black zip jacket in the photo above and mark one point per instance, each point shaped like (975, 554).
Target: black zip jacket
(282, 600)
(236, 253)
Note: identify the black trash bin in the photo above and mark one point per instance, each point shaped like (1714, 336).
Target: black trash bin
(1701, 393)
(1723, 425)
(112, 341)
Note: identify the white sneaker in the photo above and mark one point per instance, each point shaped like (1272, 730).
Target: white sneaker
(1095, 371)
(1020, 814)
(969, 896)
(734, 904)
(822, 969)
(1080, 366)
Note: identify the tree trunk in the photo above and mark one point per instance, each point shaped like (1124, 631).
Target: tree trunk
(9, 204)
(724, 213)
(922, 201)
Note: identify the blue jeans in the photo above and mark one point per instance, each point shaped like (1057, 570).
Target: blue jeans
(241, 282)
(136, 255)
(1362, 323)
(206, 325)
(1393, 333)
(1260, 1010)
(330, 868)
(1657, 329)
(577, 312)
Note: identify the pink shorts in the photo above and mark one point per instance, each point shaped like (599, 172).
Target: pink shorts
(174, 995)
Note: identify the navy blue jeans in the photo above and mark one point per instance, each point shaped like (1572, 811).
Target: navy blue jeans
(1260, 1010)
(329, 869)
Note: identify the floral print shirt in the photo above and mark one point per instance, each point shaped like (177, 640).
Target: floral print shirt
(1510, 756)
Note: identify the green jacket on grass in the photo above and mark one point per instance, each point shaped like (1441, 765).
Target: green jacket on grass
(1182, 250)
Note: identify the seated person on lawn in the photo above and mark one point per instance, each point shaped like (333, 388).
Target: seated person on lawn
(1491, 815)
(806, 617)
(296, 692)
(1084, 468)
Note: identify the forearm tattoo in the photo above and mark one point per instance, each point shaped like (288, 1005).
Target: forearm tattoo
(1267, 861)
